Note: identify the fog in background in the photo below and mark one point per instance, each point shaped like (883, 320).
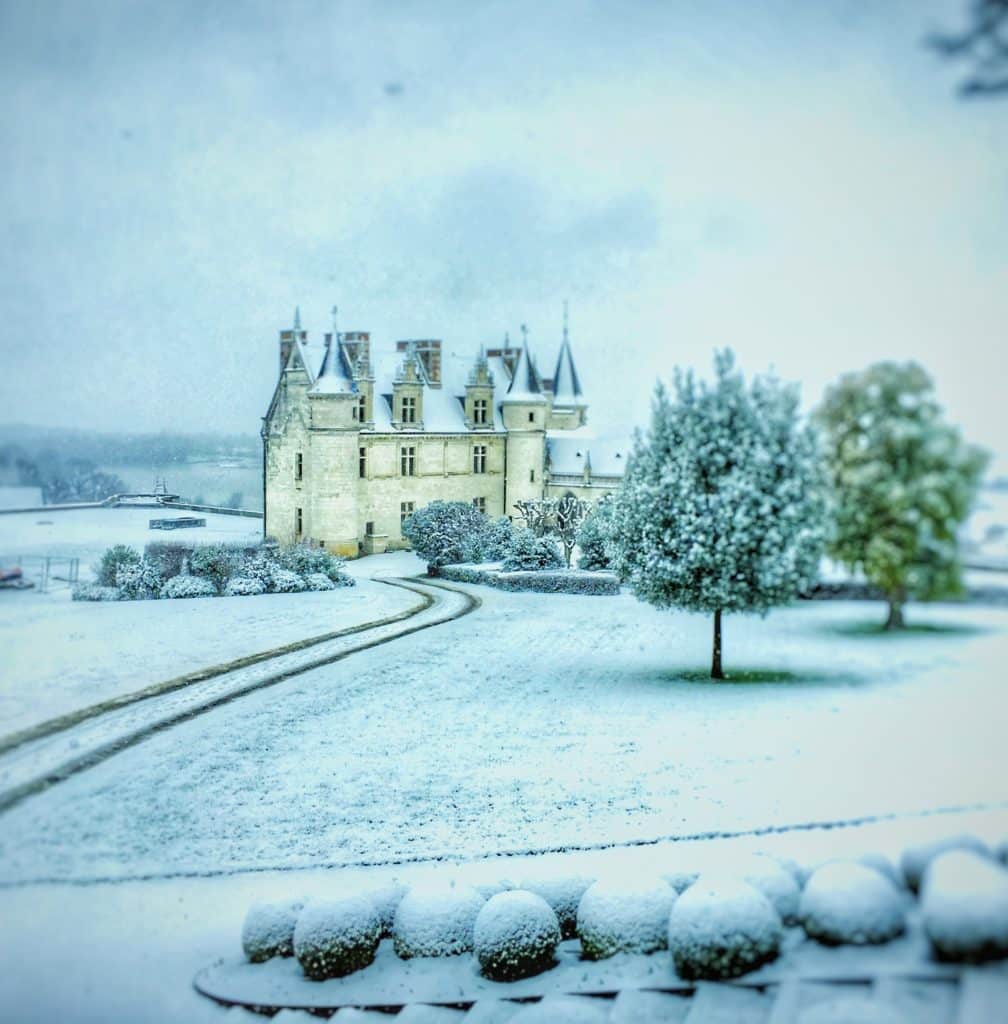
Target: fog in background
(795, 180)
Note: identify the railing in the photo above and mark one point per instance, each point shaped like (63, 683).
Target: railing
(45, 572)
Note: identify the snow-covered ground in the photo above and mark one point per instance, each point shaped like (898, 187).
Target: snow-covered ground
(539, 722)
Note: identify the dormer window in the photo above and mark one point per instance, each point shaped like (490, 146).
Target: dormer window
(479, 411)
(408, 409)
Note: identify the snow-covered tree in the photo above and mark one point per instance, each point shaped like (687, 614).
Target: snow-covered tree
(593, 536)
(556, 517)
(904, 481)
(530, 553)
(439, 531)
(723, 506)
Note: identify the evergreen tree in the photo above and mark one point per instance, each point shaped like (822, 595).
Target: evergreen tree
(723, 505)
(593, 537)
(904, 482)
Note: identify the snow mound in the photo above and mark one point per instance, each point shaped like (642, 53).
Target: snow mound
(563, 1010)
(965, 907)
(849, 902)
(851, 1011)
(515, 935)
(436, 921)
(386, 901)
(680, 880)
(721, 928)
(336, 936)
(624, 916)
(771, 878)
(563, 894)
(268, 930)
(915, 859)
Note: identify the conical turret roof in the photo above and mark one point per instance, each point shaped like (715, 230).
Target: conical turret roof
(335, 377)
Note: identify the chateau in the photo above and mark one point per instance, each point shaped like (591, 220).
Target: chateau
(354, 439)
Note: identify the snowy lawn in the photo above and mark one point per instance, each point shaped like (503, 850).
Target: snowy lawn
(60, 655)
(543, 722)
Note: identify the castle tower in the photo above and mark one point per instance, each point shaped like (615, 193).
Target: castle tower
(332, 470)
(569, 406)
(525, 410)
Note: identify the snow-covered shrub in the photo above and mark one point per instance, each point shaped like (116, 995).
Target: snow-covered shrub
(215, 562)
(170, 557)
(336, 937)
(916, 859)
(188, 586)
(563, 1010)
(773, 880)
(318, 581)
(721, 928)
(244, 586)
(386, 901)
(436, 921)
(515, 935)
(563, 893)
(259, 567)
(531, 553)
(268, 930)
(95, 592)
(593, 537)
(852, 1010)
(439, 531)
(618, 915)
(304, 561)
(283, 581)
(496, 539)
(964, 904)
(138, 581)
(884, 866)
(117, 556)
(848, 902)
(555, 581)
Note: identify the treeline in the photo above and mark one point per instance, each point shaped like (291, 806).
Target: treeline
(62, 480)
(124, 449)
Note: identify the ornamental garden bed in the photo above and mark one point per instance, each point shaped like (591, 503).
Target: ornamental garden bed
(546, 581)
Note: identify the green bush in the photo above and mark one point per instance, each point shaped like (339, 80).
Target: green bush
(119, 555)
(441, 531)
(593, 537)
(216, 563)
(138, 582)
(531, 553)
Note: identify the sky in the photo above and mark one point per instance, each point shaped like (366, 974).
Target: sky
(796, 181)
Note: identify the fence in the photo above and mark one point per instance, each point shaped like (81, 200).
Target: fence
(45, 572)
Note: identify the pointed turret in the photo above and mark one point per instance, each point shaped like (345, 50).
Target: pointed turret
(334, 376)
(566, 383)
(526, 384)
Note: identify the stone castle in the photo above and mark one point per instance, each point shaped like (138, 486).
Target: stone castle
(354, 439)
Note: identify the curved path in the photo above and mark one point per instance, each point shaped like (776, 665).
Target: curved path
(37, 758)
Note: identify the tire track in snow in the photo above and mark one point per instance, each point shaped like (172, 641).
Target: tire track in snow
(35, 763)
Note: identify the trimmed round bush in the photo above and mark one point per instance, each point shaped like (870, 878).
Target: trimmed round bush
(964, 904)
(268, 930)
(283, 581)
(515, 935)
(680, 880)
(529, 552)
(138, 581)
(773, 880)
(721, 928)
(852, 1011)
(244, 586)
(95, 592)
(386, 901)
(848, 902)
(884, 866)
(436, 920)
(318, 581)
(624, 916)
(915, 859)
(188, 586)
(336, 937)
(563, 894)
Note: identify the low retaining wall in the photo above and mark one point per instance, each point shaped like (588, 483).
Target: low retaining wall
(568, 581)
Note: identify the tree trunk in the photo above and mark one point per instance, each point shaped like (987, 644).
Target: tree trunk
(715, 672)
(895, 619)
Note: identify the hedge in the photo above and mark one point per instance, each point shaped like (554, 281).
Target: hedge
(558, 581)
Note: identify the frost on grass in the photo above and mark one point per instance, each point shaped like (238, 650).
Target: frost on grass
(336, 937)
(563, 894)
(852, 1011)
(965, 907)
(916, 859)
(515, 935)
(386, 901)
(721, 928)
(436, 921)
(771, 878)
(268, 930)
(848, 902)
(563, 1010)
(624, 916)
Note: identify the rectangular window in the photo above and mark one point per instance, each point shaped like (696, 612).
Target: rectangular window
(369, 529)
(479, 410)
(531, 417)
(405, 510)
(409, 409)
(479, 458)
(407, 460)
(362, 409)
(298, 467)
(298, 523)
(362, 462)
(531, 476)
(480, 504)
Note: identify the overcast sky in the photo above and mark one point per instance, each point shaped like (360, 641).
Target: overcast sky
(796, 180)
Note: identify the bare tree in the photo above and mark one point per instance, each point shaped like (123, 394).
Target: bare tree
(561, 517)
(983, 44)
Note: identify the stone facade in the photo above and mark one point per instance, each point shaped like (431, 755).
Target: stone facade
(353, 443)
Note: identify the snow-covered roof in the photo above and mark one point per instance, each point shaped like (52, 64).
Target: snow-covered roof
(334, 375)
(526, 384)
(566, 385)
(570, 450)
